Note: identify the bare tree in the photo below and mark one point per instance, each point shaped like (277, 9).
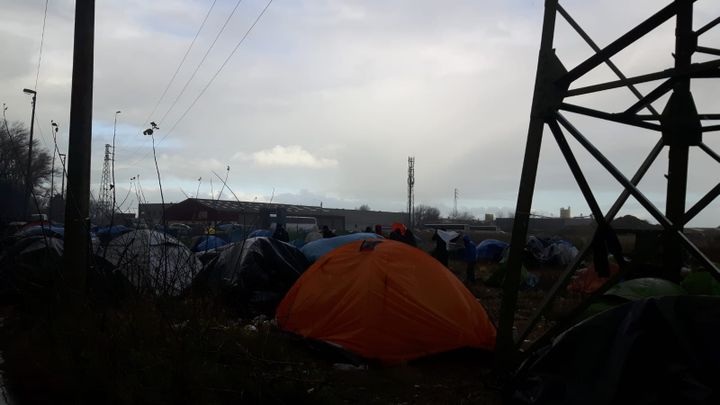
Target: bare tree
(363, 207)
(464, 216)
(13, 165)
(425, 214)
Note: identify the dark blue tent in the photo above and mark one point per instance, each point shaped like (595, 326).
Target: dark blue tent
(652, 351)
(208, 242)
(47, 230)
(111, 231)
(491, 250)
(260, 233)
(254, 275)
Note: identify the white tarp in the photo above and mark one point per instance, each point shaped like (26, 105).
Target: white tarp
(152, 261)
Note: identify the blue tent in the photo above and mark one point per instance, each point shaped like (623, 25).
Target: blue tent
(491, 250)
(260, 233)
(48, 230)
(318, 248)
(208, 242)
(112, 231)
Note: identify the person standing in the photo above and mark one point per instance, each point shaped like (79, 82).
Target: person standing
(379, 230)
(441, 249)
(470, 259)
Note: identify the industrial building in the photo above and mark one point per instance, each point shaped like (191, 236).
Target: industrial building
(201, 211)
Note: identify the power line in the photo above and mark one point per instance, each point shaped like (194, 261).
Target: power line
(37, 74)
(187, 52)
(212, 79)
(192, 76)
(42, 40)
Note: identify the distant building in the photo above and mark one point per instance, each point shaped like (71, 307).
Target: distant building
(565, 213)
(543, 225)
(151, 213)
(254, 214)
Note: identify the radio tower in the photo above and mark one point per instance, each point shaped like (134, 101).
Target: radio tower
(455, 197)
(105, 195)
(411, 191)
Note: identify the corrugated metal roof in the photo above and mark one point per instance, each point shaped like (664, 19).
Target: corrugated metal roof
(247, 206)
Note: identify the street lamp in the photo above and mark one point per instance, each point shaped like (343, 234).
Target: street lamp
(28, 174)
(112, 162)
(53, 131)
(62, 186)
(150, 131)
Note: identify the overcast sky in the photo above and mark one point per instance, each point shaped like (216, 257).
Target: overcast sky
(325, 100)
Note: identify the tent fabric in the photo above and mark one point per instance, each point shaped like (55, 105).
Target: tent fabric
(651, 351)
(551, 250)
(633, 290)
(260, 233)
(701, 283)
(313, 236)
(106, 233)
(255, 273)
(208, 242)
(587, 280)
(152, 261)
(318, 248)
(31, 262)
(49, 230)
(447, 236)
(491, 250)
(113, 231)
(385, 300)
(646, 287)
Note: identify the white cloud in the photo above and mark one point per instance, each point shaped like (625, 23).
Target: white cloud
(363, 83)
(291, 156)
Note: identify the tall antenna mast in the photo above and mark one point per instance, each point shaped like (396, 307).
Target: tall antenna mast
(455, 197)
(411, 191)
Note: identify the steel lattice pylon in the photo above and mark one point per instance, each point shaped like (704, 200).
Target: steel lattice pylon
(679, 126)
(105, 195)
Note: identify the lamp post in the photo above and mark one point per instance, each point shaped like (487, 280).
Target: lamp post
(28, 173)
(53, 130)
(112, 162)
(62, 186)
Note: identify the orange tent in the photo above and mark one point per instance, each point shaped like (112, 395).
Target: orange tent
(587, 281)
(385, 300)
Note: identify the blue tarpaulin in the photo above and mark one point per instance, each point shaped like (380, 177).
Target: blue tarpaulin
(491, 250)
(260, 233)
(318, 248)
(208, 242)
(113, 231)
(42, 229)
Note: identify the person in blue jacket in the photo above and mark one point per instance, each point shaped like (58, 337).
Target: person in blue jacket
(470, 259)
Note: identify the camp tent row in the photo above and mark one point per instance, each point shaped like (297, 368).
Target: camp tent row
(381, 299)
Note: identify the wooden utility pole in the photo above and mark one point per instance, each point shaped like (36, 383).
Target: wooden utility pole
(77, 221)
